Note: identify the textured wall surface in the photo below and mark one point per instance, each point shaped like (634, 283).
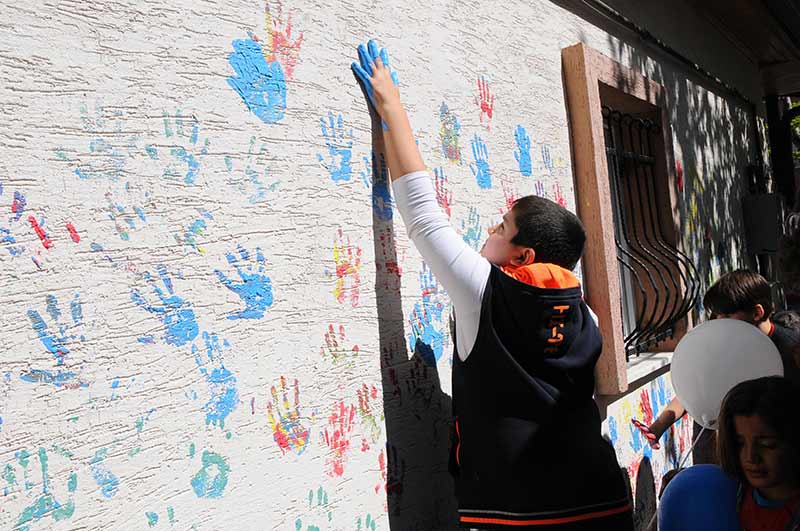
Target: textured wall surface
(211, 315)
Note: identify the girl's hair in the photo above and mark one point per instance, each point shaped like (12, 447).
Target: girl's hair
(553, 232)
(775, 400)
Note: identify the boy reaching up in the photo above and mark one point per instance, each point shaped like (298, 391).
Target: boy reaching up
(527, 449)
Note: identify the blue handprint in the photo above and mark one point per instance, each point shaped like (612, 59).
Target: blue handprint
(255, 289)
(381, 196)
(547, 158)
(481, 169)
(340, 148)
(176, 313)
(56, 340)
(190, 153)
(223, 395)
(471, 228)
(261, 85)
(523, 151)
(426, 318)
(105, 479)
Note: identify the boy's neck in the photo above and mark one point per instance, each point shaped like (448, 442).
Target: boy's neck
(766, 326)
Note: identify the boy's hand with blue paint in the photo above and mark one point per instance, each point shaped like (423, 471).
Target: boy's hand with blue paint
(380, 85)
(364, 69)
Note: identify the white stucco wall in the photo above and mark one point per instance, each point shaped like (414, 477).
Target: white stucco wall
(136, 389)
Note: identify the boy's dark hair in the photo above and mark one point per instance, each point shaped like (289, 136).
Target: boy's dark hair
(774, 399)
(553, 232)
(737, 291)
(787, 319)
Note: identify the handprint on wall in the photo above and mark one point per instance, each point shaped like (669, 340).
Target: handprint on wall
(254, 287)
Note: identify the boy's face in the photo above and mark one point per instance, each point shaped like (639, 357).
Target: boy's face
(763, 456)
(499, 249)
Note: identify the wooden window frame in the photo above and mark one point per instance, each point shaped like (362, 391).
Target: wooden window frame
(584, 71)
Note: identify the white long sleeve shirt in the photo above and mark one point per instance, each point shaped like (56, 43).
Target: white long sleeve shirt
(458, 267)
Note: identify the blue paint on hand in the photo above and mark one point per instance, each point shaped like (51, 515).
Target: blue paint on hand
(262, 86)
(480, 169)
(363, 68)
(340, 148)
(176, 313)
(224, 397)
(523, 152)
(255, 289)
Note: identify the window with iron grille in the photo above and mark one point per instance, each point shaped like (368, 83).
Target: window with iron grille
(659, 284)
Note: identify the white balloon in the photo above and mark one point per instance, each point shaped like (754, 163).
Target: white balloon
(715, 356)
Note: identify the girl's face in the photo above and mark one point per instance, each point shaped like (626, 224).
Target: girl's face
(763, 457)
(498, 248)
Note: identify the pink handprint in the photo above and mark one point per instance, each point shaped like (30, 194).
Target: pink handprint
(485, 99)
(509, 194)
(281, 46)
(558, 196)
(443, 195)
(337, 436)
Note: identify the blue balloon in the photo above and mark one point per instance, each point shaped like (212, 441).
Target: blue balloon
(700, 498)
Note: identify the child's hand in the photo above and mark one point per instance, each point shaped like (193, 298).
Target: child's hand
(378, 79)
(652, 440)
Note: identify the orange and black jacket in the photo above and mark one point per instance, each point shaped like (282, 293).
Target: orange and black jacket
(527, 449)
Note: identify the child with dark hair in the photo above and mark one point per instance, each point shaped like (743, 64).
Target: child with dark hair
(758, 443)
(527, 451)
(746, 296)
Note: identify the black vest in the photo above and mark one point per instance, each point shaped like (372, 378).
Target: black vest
(527, 446)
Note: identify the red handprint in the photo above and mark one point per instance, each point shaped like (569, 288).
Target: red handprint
(443, 196)
(348, 264)
(281, 46)
(558, 196)
(366, 397)
(509, 194)
(387, 262)
(337, 436)
(485, 99)
(335, 348)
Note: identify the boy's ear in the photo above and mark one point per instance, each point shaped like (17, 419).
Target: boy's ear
(758, 313)
(526, 257)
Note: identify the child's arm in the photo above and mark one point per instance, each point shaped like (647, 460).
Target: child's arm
(667, 418)
(458, 267)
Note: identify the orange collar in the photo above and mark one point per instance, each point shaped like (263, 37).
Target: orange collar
(543, 275)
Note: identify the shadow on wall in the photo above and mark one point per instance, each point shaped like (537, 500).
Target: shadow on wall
(645, 502)
(713, 142)
(419, 488)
